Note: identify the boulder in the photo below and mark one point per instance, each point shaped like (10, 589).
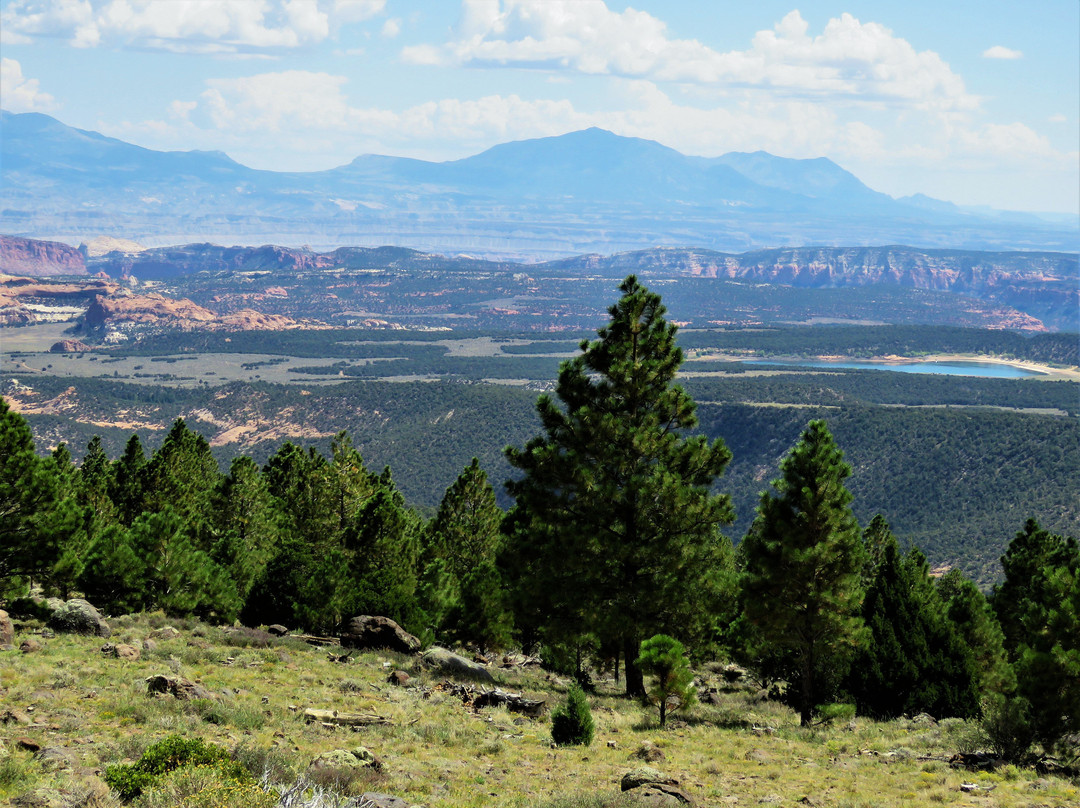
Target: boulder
(645, 776)
(450, 664)
(277, 630)
(366, 631)
(14, 716)
(120, 651)
(399, 678)
(30, 645)
(654, 787)
(359, 758)
(77, 616)
(177, 687)
(7, 631)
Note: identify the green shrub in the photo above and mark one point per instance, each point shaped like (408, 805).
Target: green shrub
(835, 712)
(572, 722)
(1006, 724)
(165, 756)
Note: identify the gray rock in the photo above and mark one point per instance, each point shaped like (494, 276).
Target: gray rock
(277, 630)
(120, 651)
(30, 645)
(177, 687)
(77, 616)
(450, 664)
(643, 776)
(368, 632)
(359, 758)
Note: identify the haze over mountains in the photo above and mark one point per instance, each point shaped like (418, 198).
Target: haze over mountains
(584, 192)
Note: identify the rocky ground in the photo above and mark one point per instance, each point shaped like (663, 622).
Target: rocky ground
(425, 729)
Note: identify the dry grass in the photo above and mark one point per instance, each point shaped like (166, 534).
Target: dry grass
(440, 754)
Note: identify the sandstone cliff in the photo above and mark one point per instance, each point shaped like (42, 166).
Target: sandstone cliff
(30, 257)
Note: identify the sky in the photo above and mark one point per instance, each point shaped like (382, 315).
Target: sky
(976, 103)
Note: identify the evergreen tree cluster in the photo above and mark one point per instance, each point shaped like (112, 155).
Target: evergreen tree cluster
(306, 540)
(615, 536)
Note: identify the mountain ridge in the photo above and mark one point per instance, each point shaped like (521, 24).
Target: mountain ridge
(581, 192)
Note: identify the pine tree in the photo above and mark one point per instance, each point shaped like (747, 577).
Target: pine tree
(383, 545)
(1038, 604)
(912, 660)
(978, 629)
(30, 488)
(572, 722)
(247, 522)
(615, 527)
(664, 658)
(803, 560)
(183, 475)
(462, 587)
(126, 485)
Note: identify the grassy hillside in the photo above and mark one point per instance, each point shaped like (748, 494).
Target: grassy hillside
(88, 711)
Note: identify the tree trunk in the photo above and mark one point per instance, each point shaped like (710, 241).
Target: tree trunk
(806, 686)
(635, 679)
(663, 712)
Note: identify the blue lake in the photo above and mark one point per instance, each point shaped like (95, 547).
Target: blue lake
(985, 369)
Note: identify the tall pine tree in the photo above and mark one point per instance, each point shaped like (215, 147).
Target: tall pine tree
(803, 561)
(912, 660)
(615, 528)
(1038, 604)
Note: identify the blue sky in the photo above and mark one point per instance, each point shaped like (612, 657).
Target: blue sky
(972, 102)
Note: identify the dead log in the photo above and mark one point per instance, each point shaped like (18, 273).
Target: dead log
(334, 718)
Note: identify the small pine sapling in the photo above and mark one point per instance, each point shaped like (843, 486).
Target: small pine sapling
(665, 658)
(572, 721)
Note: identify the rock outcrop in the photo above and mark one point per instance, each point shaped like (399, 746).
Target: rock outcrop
(27, 256)
(70, 346)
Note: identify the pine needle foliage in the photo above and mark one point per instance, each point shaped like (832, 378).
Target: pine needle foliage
(616, 523)
(572, 722)
(803, 561)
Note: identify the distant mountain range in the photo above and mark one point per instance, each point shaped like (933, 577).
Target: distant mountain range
(584, 192)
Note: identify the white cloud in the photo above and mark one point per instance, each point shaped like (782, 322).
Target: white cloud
(195, 26)
(391, 28)
(1058, 118)
(849, 59)
(297, 98)
(20, 94)
(1014, 140)
(1001, 52)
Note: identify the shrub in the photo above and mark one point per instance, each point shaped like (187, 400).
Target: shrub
(572, 722)
(165, 756)
(1007, 726)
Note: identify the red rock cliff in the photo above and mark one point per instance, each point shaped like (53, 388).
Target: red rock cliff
(27, 256)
